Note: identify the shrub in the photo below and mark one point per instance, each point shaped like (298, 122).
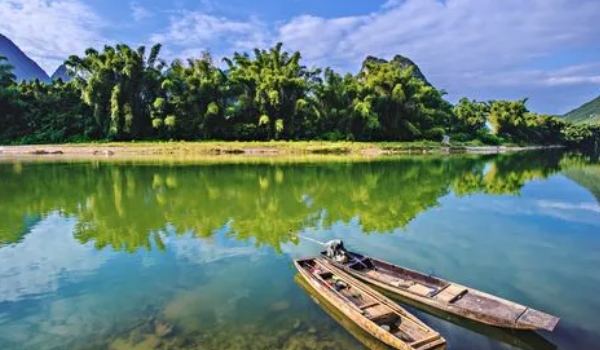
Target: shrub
(490, 139)
(435, 134)
(335, 135)
(244, 132)
(460, 137)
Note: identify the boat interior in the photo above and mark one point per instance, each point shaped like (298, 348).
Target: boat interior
(423, 285)
(460, 296)
(369, 306)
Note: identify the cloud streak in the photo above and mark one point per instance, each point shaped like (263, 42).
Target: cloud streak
(140, 13)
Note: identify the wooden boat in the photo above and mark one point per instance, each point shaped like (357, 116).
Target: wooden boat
(370, 310)
(358, 333)
(444, 295)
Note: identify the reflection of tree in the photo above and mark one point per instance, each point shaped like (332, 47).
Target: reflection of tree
(127, 207)
(584, 170)
(506, 174)
(29, 193)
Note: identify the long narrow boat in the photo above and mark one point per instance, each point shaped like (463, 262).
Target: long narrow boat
(370, 310)
(444, 295)
(358, 333)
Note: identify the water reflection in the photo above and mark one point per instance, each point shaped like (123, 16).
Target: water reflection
(127, 208)
(110, 255)
(47, 254)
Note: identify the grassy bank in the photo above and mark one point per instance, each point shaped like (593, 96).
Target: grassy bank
(273, 148)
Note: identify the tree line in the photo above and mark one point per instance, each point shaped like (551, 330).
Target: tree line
(122, 93)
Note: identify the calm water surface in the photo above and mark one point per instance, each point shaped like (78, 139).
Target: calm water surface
(100, 255)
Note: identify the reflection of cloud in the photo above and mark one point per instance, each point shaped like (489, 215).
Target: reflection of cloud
(576, 211)
(581, 212)
(47, 254)
(585, 206)
(203, 251)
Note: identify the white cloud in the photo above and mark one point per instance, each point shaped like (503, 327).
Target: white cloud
(317, 38)
(573, 80)
(454, 39)
(50, 30)
(196, 31)
(570, 75)
(140, 13)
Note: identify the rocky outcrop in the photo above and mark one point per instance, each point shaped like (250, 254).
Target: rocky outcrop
(401, 61)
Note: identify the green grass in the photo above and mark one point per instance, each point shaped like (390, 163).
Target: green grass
(238, 147)
(232, 151)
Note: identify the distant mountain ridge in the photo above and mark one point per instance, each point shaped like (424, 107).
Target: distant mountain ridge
(61, 73)
(24, 67)
(587, 113)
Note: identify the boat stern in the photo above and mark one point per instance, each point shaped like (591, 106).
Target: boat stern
(534, 319)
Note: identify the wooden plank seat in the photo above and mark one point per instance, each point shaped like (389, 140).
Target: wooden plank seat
(450, 293)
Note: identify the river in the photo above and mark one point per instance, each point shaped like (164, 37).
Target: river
(160, 254)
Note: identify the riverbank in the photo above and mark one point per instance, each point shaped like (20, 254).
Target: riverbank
(274, 148)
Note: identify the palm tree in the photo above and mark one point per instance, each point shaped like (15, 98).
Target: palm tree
(120, 85)
(273, 86)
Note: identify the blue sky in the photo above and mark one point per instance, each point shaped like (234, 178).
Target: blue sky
(546, 50)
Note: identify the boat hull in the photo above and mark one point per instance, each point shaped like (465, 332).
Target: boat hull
(471, 304)
(434, 341)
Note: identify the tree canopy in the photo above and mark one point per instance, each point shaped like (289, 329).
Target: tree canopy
(122, 93)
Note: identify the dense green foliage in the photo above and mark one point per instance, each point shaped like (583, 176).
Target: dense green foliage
(122, 93)
(587, 113)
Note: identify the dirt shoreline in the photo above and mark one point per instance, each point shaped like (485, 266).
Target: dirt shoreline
(220, 149)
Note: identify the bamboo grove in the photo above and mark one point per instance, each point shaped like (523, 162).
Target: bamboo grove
(122, 93)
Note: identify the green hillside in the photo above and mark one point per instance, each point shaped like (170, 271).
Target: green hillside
(587, 113)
